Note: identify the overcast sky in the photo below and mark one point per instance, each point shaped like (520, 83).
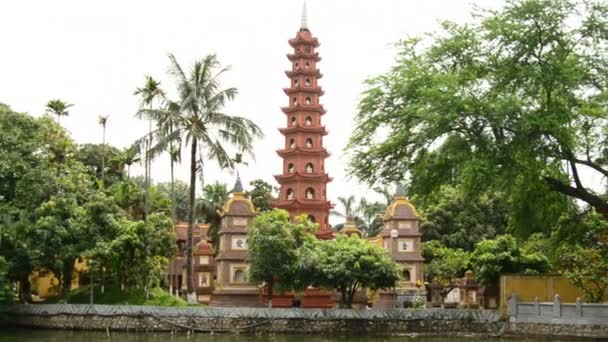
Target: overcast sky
(95, 54)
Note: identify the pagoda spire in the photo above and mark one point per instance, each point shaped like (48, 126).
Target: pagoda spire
(304, 23)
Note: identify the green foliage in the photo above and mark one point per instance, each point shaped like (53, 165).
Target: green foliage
(114, 295)
(6, 287)
(261, 195)
(587, 269)
(443, 264)
(366, 215)
(214, 197)
(90, 155)
(513, 103)
(181, 197)
(348, 264)
(272, 250)
(491, 258)
(460, 221)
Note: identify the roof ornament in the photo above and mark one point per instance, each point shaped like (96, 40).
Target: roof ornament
(238, 186)
(304, 23)
(400, 191)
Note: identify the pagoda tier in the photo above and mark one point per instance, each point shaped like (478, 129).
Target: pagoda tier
(304, 129)
(303, 180)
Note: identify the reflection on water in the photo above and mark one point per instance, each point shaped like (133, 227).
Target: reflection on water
(24, 335)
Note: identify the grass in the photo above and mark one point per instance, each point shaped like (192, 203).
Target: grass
(114, 295)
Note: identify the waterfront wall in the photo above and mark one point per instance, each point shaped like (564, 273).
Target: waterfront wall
(296, 321)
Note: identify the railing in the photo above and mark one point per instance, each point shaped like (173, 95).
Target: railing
(557, 312)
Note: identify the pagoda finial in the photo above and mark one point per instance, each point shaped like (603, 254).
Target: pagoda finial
(238, 186)
(304, 23)
(400, 191)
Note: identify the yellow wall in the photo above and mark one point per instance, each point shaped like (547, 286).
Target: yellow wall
(528, 287)
(47, 284)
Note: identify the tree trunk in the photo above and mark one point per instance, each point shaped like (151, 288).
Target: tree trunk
(147, 171)
(189, 243)
(68, 269)
(173, 204)
(103, 153)
(25, 289)
(270, 286)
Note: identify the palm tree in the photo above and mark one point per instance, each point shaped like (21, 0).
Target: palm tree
(58, 107)
(103, 121)
(149, 92)
(207, 130)
(366, 215)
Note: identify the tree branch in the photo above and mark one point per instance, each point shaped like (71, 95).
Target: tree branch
(595, 201)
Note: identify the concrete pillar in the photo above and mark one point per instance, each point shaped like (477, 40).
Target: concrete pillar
(536, 306)
(513, 306)
(557, 307)
(579, 307)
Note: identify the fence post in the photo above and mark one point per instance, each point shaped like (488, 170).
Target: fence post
(537, 306)
(579, 307)
(513, 306)
(557, 307)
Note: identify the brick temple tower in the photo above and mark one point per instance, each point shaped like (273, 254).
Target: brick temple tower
(304, 180)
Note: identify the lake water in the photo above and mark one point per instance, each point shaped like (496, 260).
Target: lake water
(23, 335)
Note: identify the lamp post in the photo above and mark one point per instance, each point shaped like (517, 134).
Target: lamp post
(393, 234)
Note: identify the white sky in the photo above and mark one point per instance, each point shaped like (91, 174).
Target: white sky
(94, 54)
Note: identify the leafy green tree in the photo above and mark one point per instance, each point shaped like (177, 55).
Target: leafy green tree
(6, 289)
(522, 92)
(180, 193)
(58, 108)
(261, 195)
(214, 197)
(203, 126)
(94, 157)
(348, 264)
(272, 250)
(587, 269)
(504, 254)
(444, 265)
(366, 215)
(459, 221)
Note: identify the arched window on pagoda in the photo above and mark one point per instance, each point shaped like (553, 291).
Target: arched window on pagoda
(308, 121)
(312, 219)
(292, 143)
(406, 275)
(309, 168)
(295, 82)
(294, 101)
(307, 82)
(308, 143)
(289, 194)
(293, 120)
(310, 193)
(307, 66)
(297, 66)
(239, 276)
(291, 168)
(308, 101)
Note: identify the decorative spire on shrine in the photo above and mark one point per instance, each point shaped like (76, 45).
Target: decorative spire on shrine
(400, 191)
(304, 23)
(238, 186)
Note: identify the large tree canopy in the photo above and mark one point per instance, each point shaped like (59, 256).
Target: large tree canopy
(515, 102)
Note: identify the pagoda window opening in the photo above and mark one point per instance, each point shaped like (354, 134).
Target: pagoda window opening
(289, 194)
(292, 143)
(307, 82)
(297, 66)
(310, 193)
(312, 219)
(308, 49)
(295, 82)
(291, 168)
(308, 101)
(308, 121)
(239, 276)
(294, 101)
(406, 275)
(293, 120)
(308, 143)
(310, 169)
(307, 66)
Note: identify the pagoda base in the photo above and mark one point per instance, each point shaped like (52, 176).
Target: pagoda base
(317, 298)
(236, 298)
(324, 234)
(279, 300)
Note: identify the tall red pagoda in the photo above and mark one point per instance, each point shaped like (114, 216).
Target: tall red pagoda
(304, 180)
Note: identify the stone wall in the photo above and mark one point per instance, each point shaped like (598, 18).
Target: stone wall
(286, 321)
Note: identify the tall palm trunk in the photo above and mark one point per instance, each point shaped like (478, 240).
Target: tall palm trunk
(173, 204)
(189, 243)
(147, 171)
(103, 153)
